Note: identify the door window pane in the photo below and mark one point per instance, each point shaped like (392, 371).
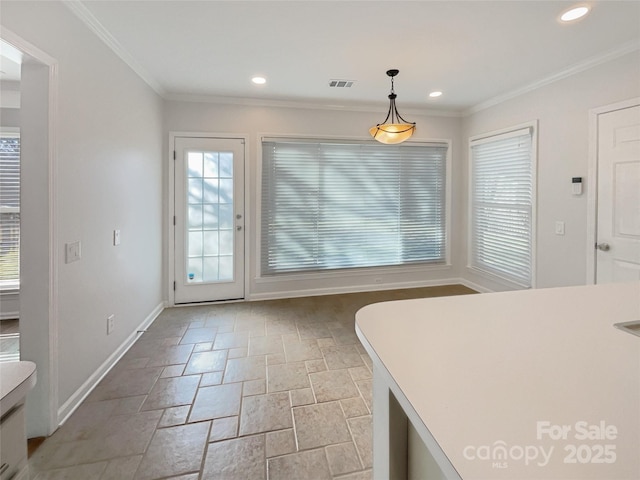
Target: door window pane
(210, 236)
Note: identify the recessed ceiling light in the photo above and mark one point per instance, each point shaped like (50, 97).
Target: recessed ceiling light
(574, 13)
(259, 80)
(435, 94)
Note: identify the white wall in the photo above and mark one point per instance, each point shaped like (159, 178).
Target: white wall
(562, 110)
(255, 121)
(109, 175)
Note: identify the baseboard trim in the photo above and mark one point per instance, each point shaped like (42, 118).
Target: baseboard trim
(475, 286)
(9, 315)
(357, 289)
(74, 401)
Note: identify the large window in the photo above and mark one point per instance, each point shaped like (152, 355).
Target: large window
(502, 204)
(334, 205)
(9, 210)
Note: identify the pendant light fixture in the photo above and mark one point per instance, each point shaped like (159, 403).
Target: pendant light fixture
(398, 129)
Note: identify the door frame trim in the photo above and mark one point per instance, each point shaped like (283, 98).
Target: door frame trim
(592, 182)
(48, 363)
(171, 207)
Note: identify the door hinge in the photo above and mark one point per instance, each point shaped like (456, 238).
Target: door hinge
(174, 285)
(174, 220)
(174, 154)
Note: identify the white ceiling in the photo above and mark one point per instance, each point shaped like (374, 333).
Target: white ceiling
(474, 51)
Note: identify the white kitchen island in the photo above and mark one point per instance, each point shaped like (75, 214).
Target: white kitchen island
(534, 384)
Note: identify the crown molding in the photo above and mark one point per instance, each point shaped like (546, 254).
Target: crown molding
(83, 13)
(592, 62)
(263, 102)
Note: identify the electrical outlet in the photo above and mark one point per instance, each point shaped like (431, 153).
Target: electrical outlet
(559, 228)
(110, 323)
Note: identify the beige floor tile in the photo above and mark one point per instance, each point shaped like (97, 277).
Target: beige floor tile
(174, 451)
(172, 371)
(302, 396)
(314, 366)
(333, 385)
(280, 442)
(231, 340)
(212, 378)
(313, 330)
(129, 405)
(224, 429)
(304, 465)
(303, 350)
(236, 459)
(366, 389)
(254, 387)
(85, 420)
(109, 434)
(277, 326)
(265, 345)
(243, 369)
(364, 475)
(203, 347)
(170, 355)
(123, 468)
(121, 436)
(205, 362)
(92, 471)
(216, 402)
(250, 325)
(288, 376)
(362, 432)
(199, 335)
(354, 407)
(344, 336)
(238, 352)
(341, 356)
(263, 413)
(172, 392)
(360, 373)
(320, 425)
(276, 359)
(174, 416)
(126, 383)
(343, 458)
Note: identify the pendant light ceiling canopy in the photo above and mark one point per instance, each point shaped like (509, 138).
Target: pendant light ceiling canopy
(397, 130)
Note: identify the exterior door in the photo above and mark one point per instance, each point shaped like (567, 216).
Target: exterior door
(618, 233)
(209, 219)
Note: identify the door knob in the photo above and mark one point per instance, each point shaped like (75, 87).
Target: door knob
(605, 247)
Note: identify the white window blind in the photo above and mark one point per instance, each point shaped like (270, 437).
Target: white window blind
(502, 198)
(9, 210)
(345, 205)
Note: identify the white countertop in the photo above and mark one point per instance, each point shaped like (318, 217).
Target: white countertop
(504, 372)
(16, 379)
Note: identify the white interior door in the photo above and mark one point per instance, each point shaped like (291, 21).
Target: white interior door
(209, 219)
(618, 234)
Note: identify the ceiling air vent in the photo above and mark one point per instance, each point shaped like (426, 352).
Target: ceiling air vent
(341, 83)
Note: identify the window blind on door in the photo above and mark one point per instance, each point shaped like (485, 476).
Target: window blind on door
(334, 205)
(9, 210)
(502, 196)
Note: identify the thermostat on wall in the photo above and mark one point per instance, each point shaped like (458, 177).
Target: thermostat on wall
(576, 185)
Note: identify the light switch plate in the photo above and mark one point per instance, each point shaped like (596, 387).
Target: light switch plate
(116, 237)
(559, 228)
(72, 252)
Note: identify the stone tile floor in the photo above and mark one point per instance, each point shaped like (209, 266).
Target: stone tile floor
(271, 390)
